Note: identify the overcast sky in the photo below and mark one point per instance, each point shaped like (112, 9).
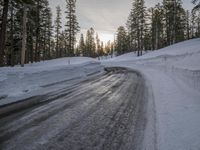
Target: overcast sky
(105, 16)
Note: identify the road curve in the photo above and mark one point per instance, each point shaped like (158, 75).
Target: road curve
(105, 113)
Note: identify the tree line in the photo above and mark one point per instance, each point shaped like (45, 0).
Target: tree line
(150, 29)
(92, 46)
(27, 33)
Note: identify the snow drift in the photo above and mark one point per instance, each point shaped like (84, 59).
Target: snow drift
(17, 82)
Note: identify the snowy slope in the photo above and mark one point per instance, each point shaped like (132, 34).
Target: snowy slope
(17, 82)
(181, 54)
(173, 76)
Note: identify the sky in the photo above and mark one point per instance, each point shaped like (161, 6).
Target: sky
(105, 16)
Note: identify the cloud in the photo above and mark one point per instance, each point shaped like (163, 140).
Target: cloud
(104, 15)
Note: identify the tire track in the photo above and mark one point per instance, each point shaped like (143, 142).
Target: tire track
(97, 114)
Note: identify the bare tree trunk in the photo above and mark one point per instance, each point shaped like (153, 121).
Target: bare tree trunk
(31, 51)
(142, 41)
(37, 53)
(57, 51)
(174, 31)
(11, 37)
(44, 47)
(23, 52)
(138, 42)
(156, 47)
(3, 30)
(49, 49)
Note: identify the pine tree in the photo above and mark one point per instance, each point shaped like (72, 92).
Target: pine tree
(1, 8)
(87, 44)
(72, 26)
(57, 29)
(13, 49)
(62, 45)
(174, 23)
(11, 60)
(197, 3)
(17, 40)
(156, 26)
(98, 46)
(49, 33)
(108, 48)
(31, 33)
(90, 43)
(112, 49)
(121, 41)
(37, 44)
(136, 25)
(25, 19)
(24, 33)
(25, 4)
(187, 25)
(3, 30)
(181, 24)
(102, 49)
(43, 29)
(193, 20)
(196, 25)
(81, 48)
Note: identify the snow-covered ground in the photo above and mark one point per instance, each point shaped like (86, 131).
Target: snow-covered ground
(173, 78)
(18, 83)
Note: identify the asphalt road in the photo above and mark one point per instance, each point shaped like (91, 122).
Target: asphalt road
(102, 113)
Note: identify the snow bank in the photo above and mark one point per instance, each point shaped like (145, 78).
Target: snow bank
(173, 77)
(180, 49)
(181, 60)
(190, 77)
(124, 57)
(17, 81)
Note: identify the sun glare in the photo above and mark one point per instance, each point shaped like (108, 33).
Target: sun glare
(105, 37)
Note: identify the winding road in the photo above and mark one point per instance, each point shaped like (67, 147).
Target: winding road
(102, 113)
